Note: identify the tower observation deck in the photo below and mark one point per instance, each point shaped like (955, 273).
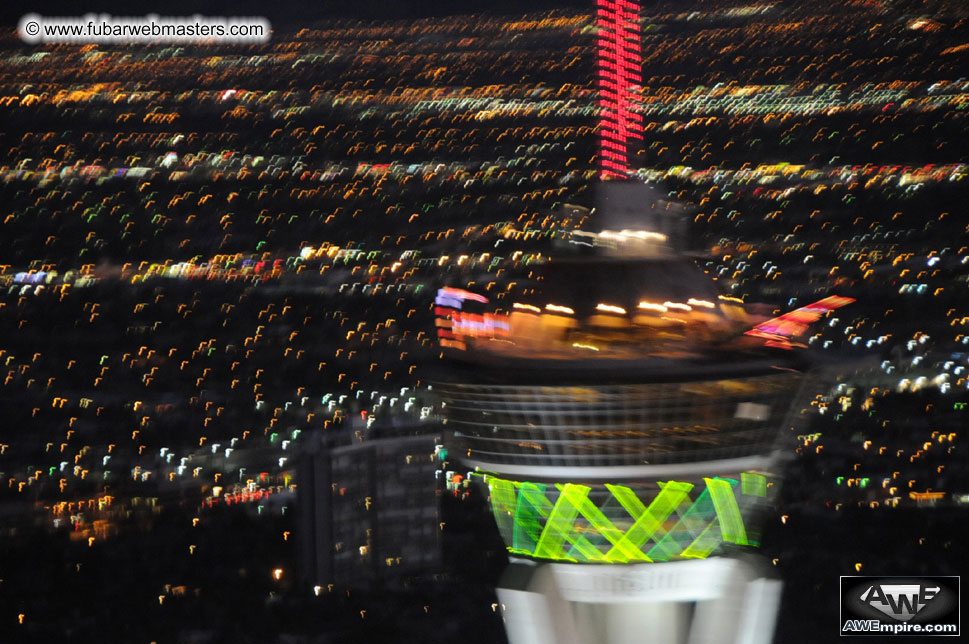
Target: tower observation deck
(625, 430)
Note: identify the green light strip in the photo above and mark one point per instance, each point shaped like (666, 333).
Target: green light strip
(533, 506)
(560, 522)
(612, 524)
(725, 504)
(503, 497)
(753, 484)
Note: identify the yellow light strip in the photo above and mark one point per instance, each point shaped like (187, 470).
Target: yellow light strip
(609, 308)
(559, 309)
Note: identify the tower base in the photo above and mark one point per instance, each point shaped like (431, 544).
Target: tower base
(710, 601)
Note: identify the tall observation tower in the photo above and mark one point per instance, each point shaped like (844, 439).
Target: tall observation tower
(623, 418)
(622, 415)
(618, 80)
(624, 430)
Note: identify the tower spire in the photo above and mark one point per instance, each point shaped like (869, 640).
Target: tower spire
(618, 79)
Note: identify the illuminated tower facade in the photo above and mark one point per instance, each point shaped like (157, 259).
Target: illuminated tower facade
(618, 79)
(623, 417)
(628, 467)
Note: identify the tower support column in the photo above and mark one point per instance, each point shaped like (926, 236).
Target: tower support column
(712, 601)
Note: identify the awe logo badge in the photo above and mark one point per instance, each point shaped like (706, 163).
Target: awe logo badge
(899, 606)
(900, 601)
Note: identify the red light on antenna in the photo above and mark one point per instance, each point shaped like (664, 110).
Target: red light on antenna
(618, 80)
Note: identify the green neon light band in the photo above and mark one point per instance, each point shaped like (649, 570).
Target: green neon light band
(649, 521)
(703, 545)
(622, 547)
(503, 499)
(694, 518)
(560, 522)
(753, 484)
(533, 507)
(725, 504)
(614, 523)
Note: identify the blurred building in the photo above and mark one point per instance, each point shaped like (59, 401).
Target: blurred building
(625, 428)
(370, 512)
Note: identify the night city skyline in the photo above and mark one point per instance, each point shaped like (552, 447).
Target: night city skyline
(352, 335)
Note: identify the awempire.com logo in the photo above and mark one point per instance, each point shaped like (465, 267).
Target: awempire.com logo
(900, 606)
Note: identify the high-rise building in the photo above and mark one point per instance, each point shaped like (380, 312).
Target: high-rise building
(625, 429)
(370, 512)
(619, 80)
